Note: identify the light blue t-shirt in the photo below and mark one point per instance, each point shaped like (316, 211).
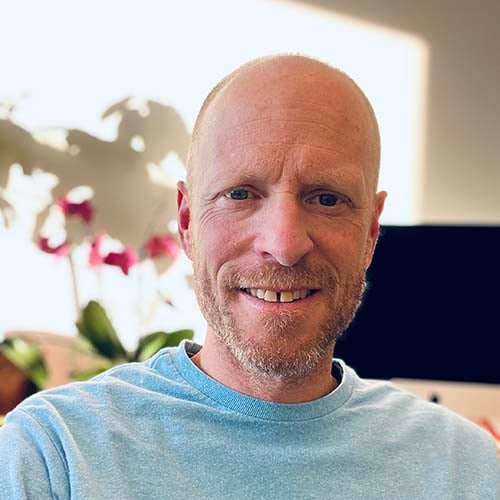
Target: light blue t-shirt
(164, 430)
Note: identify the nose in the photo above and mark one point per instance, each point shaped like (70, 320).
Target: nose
(282, 231)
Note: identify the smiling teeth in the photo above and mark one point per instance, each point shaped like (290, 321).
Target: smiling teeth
(272, 296)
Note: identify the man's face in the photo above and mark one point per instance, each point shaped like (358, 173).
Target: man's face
(283, 222)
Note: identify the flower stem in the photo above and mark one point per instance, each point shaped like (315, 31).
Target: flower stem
(76, 298)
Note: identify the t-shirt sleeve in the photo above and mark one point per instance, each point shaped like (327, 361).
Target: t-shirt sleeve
(30, 464)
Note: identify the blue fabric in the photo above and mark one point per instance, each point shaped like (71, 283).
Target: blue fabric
(163, 429)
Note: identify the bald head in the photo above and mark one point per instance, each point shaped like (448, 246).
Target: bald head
(281, 84)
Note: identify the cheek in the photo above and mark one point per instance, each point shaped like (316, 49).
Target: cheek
(344, 246)
(219, 241)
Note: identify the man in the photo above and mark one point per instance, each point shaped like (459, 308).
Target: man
(280, 216)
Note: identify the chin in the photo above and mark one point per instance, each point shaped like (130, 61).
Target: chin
(276, 349)
(279, 360)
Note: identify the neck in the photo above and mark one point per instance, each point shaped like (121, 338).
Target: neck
(217, 362)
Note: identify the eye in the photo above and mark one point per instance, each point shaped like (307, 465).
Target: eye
(238, 194)
(326, 199)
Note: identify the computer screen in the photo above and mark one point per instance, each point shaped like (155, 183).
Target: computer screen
(432, 306)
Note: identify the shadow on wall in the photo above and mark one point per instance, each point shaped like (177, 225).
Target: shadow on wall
(129, 204)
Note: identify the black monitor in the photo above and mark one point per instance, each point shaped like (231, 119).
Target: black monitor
(432, 306)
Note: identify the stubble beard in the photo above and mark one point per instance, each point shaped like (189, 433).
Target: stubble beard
(277, 354)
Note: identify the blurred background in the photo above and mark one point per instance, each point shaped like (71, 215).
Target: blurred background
(105, 94)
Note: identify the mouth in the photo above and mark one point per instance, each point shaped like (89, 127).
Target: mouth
(282, 296)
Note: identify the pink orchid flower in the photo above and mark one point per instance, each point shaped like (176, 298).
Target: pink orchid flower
(161, 244)
(124, 259)
(84, 209)
(61, 250)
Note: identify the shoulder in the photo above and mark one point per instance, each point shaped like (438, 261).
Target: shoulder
(429, 419)
(408, 417)
(60, 418)
(117, 389)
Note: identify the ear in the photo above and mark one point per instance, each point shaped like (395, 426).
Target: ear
(374, 227)
(184, 217)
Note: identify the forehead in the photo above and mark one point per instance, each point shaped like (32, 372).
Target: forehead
(308, 124)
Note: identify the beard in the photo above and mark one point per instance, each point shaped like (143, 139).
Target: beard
(277, 352)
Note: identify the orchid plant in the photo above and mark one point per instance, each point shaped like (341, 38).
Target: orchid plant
(96, 331)
(94, 324)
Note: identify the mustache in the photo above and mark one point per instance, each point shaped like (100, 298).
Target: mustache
(271, 276)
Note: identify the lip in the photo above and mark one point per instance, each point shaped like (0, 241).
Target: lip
(262, 305)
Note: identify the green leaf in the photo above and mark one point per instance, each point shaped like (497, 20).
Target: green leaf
(175, 338)
(27, 358)
(88, 374)
(150, 344)
(96, 327)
